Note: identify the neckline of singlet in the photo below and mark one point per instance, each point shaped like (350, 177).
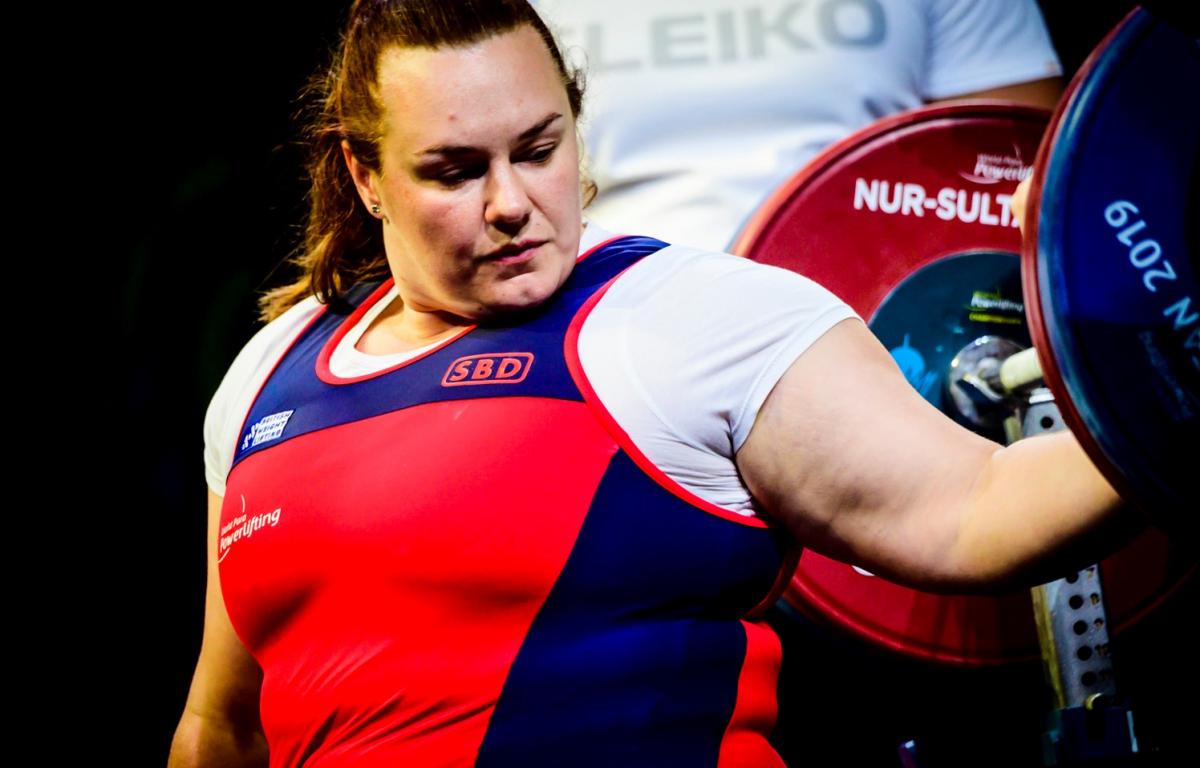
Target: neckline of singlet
(348, 362)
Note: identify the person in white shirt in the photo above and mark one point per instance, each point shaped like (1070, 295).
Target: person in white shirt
(699, 109)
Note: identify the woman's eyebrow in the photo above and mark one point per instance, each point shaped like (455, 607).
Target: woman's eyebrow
(454, 149)
(541, 126)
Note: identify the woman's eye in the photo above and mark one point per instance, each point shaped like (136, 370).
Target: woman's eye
(452, 175)
(540, 154)
(455, 176)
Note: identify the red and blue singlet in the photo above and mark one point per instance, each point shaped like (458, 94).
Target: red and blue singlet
(463, 560)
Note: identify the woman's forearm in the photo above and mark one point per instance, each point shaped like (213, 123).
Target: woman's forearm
(1038, 510)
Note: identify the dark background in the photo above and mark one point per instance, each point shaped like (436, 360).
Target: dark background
(202, 196)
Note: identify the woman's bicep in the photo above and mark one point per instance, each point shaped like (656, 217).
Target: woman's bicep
(221, 716)
(850, 458)
(234, 673)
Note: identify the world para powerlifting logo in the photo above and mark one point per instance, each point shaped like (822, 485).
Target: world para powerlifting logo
(243, 527)
(994, 168)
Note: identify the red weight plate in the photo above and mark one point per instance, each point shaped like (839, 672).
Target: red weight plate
(865, 215)
(881, 204)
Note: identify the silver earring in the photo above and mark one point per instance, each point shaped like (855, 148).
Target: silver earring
(375, 209)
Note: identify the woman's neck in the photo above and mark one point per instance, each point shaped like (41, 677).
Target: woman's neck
(401, 328)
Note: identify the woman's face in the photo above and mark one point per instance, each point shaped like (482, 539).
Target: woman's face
(479, 188)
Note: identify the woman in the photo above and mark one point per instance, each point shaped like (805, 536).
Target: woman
(495, 488)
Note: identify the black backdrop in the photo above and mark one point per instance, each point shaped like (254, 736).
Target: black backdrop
(201, 186)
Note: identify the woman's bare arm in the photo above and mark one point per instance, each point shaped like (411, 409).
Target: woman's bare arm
(848, 456)
(220, 724)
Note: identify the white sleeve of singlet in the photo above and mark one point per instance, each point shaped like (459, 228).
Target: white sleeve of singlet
(980, 44)
(230, 403)
(684, 348)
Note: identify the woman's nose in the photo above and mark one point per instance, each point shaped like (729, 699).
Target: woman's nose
(508, 204)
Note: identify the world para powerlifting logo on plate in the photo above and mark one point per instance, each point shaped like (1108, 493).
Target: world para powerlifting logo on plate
(994, 307)
(993, 169)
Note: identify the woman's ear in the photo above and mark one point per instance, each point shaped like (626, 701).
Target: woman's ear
(363, 181)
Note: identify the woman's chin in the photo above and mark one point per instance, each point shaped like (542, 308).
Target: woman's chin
(519, 295)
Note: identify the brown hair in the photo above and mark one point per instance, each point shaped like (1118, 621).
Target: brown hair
(343, 244)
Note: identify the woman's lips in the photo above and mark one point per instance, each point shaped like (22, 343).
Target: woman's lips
(517, 254)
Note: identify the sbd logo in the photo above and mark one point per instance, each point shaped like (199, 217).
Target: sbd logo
(504, 368)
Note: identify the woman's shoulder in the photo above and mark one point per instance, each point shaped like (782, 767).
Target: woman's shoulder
(241, 382)
(273, 338)
(683, 348)
(714, 283)
(673, 258)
